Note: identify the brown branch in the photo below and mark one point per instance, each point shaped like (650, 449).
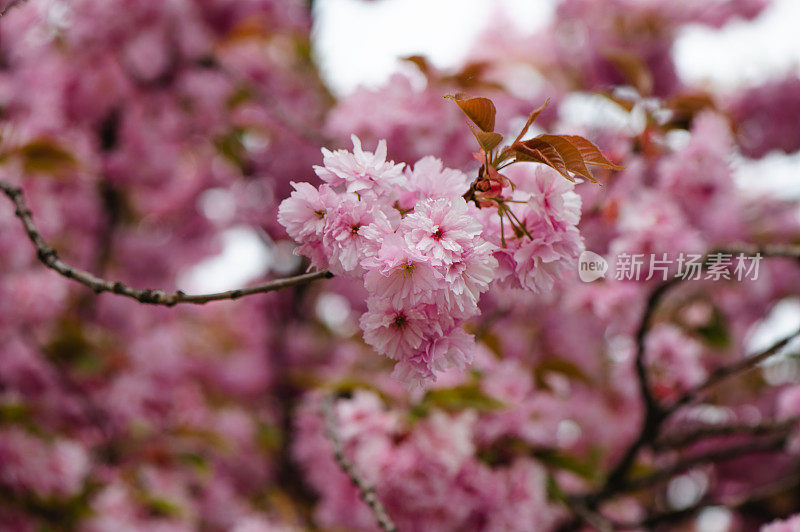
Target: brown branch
(731, 370)
(788, 482)
(785, 251)
(48, 256)
(696, 434)
(586, 515)
(773, 443)
(10, 6)
(365, 490)
(654, 414)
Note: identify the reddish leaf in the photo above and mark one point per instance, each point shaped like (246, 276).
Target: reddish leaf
(632, 68)
(470, 76)
(531, 119)
(591, 153)
(686, 106)
(626, 101)
(421, 63)
(573, 159)
(479, 110)
(487, 140)
(541, 152)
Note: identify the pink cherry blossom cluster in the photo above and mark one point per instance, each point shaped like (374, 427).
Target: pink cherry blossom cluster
(424, 253)
(791, 524)
(141, 132)
(427, 472)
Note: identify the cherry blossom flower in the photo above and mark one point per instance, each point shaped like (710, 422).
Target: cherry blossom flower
(304, 213)
(441, 229)
(393, 330)
(399, 272)
(361, 172)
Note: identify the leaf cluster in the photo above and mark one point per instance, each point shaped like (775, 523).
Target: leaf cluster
(570, 155)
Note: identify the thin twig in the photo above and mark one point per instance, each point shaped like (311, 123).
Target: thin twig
(653, 415)
(693, 435)
(786, 251)
(725, 372)
(656, 414)
(48, 256)
(589, 516)
(712, 457)
(786, 483)
(365, 490)
(10, 6)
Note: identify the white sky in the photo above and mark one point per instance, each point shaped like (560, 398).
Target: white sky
(359, 42)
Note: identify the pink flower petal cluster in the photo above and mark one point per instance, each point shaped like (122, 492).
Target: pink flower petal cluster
(791, 524)
(548, 208)
(424, 254)
(428, 474)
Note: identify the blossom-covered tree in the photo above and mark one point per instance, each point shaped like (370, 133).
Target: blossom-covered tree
(429, 358)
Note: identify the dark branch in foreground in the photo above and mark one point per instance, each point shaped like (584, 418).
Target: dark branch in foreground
(585, 506)
(725, 372)
(617, 482)
(789, 482)
(696, 434)
(653, 414)
(366, 491)
(48, 256)
(773, 443)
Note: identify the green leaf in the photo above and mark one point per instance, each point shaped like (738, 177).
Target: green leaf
(14, 413)
(269, 438)
(480, 110)
(161, 507)
(194, 460)
(467, 396)
(487, 140)
(239, 96)
(503, 451)
(46, 156)
(559, 365)
(558, 460)
(715, 333)
(72, 344)
(231, 146)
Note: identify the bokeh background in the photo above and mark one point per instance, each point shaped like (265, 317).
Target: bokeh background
(154, 142)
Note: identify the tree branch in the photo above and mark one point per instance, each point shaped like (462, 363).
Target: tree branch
(773, 443)
(672, 516)
(696, 434)
(654, 414)
(365, 490)
(48, 256)
(725, 372)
